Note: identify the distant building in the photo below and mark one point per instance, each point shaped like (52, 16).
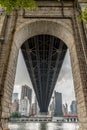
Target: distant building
(65, 109)
(52, 107)
(73, 107)
(24, 106)
(58, 104)
(35, 107)
(15, 106)
(14, 97)
(38, 109)
(27, 92)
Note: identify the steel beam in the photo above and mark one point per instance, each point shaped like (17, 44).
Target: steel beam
(44, 56)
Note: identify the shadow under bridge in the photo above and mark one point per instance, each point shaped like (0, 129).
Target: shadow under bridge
(44, 55)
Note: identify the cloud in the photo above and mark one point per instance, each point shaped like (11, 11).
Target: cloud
(64, 83)
(17, 89)
(22, 77)
(66, 68)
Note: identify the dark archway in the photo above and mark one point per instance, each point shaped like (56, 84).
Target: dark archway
(44, 55)
(56, 27)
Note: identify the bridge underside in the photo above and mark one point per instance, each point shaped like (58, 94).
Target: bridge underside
(44, 55)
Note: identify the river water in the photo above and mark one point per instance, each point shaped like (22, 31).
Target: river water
(43, 126)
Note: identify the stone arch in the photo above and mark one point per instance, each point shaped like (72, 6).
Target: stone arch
(57, 29)
(29, 29)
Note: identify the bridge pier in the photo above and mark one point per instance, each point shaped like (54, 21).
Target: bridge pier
(4, 124)
(83, 124)
(7, 73)
(61, 29)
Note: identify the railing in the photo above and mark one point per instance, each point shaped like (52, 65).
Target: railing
(44, 120)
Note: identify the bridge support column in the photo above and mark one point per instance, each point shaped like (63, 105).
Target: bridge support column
(8, 62)
(79, 67)
(5, 124)
(7, 85)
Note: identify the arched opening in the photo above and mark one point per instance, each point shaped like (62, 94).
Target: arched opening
(44, 55)
(46, 27)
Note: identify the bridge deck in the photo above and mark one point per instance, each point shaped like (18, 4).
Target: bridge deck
(44, 56)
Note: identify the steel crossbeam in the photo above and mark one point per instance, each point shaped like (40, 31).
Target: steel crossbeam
(44, 55)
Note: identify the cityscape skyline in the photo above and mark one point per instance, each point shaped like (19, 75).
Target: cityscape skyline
(64, 82)
(56, 107)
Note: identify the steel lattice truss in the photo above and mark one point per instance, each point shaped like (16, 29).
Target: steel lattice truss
(44, 55)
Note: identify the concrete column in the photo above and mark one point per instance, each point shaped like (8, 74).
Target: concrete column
(5, 124)
(79, 69)
(8, 84)
(8, 61)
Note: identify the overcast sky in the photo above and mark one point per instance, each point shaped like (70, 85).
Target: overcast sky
(64, 83)
(22, 76)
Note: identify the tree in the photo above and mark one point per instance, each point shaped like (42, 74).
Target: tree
(15, 115)
(84, 15)
(11, 5)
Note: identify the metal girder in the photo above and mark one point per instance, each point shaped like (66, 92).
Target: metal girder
(44, 55)
(49, 65)
(57, 69)
(30, 69)
(38, 65)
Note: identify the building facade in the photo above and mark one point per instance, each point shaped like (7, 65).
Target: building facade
(58, 104)
(65, 109)
(24, 107)
(26, 91)
(15, 106)
(73, 107)
(35, 108)
(52, 107)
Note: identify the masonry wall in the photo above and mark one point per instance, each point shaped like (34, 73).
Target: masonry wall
(50, 20)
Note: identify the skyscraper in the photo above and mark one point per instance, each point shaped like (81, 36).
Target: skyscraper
(65, 109)
(24, 106)
(52, 106)
(26, 92)
(73, 107)
(35, 108)
(15, 106)
(58, 104)
(36, 105)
